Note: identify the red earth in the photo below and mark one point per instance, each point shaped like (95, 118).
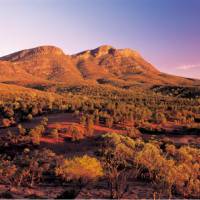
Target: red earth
(63, 121)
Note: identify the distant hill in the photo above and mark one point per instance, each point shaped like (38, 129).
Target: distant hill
(105, 64)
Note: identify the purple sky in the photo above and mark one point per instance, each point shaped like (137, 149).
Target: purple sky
(165, 32)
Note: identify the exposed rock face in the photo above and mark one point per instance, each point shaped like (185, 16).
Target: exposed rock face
(49, 63)
(108, 50)
(100, 51)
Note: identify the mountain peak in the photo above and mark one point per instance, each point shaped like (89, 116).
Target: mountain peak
(108, 50)
(37, 51)
(97, 52)
(47, 50)
(128, 52)
(102, 50)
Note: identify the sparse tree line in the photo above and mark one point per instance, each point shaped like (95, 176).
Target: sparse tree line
(17, 108)
(180, 91)
(127, 107)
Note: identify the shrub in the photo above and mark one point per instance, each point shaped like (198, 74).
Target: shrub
(54, 133)
(187, 180)
(6, 195)
(133, 132)
(85, 168)
(180, 172)
(149, 158)
(119, 146)
(80, 170)
(44, 121)
(109, 122)
(29, 117)
(7, 171)
(171, 149)
(76, 113)
(83, 120)
(76, 132)
(96, 119)
(6, 122)
(90, 126)
(117, 153)
(21, 129)
(32, 165)
(58, 126)
(35, 136)
(9, 112)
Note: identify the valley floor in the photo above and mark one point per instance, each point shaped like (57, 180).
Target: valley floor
(64, 120)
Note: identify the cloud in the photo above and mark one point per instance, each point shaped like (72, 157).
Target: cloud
(188, 67)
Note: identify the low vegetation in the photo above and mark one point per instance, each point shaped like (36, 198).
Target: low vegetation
(114, 160)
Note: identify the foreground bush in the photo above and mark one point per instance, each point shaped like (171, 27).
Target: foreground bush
(80, 170)
(83, 169)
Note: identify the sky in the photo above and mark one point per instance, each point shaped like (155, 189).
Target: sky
(165, 32)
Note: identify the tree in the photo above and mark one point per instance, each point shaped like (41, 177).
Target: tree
(21, 129)
(76, 113)
(96, 119)
(54, 133)
(9, 112)
(116, 153)
(83, 120)
(82, 170)
(58, 126)
(44, 121)
(32, 165)
(29, 117)
(34, 111)
(6, 122)
(159, 117)
(7, 171)
(153, 165)
(76, 132)
(133, 132)
(90, 126)
(171, 149)
(149, 158)
(109, 121)
(35, 135)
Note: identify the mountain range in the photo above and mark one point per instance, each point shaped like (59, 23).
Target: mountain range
(104, 65)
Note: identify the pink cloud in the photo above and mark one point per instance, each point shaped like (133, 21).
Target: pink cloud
(188, 67)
